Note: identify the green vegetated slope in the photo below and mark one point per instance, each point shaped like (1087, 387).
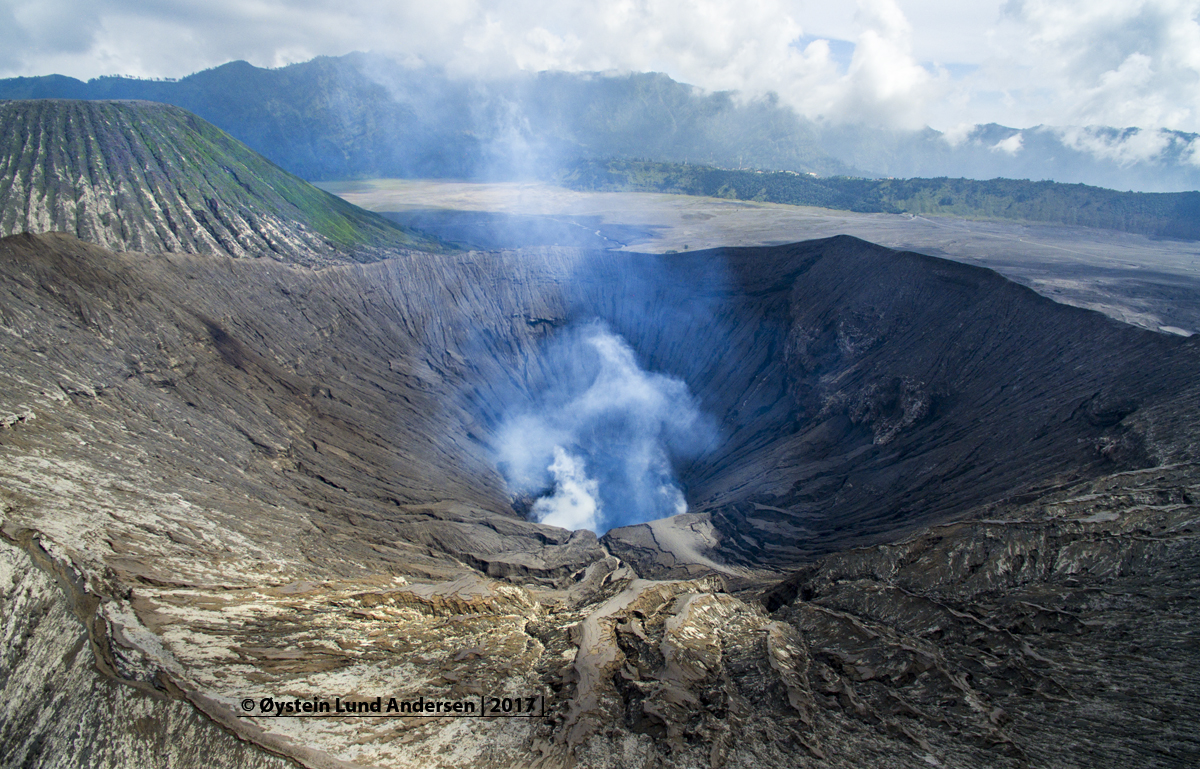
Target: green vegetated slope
(142, 176)
(1171, 215)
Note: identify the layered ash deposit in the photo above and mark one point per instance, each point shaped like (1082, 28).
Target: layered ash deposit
(939, 520)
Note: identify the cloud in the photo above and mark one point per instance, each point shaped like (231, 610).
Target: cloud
(1131, 146)
(1009, 146)
(943, 62)
(1108, 62)
(957, 134)
(884, 85)
(746, 45)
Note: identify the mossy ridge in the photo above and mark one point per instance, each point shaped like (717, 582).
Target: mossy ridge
(1157, 214)
(173, 182)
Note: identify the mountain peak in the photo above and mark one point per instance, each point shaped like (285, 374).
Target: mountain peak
(142, 176)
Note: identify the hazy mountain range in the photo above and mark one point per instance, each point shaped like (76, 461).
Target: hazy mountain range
(361, 116)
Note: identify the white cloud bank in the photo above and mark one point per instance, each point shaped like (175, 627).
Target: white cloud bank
(941, 62)
(1110, 62)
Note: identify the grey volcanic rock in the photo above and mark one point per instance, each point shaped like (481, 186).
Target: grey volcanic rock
(249, 379)
(60, 709)
(861, 392)
(256, 479)
(150, 177)
(1054, 635)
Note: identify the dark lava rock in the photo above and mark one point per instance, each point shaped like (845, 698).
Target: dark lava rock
(1056, 634)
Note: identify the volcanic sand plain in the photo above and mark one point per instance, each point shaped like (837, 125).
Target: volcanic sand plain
(1146, 282)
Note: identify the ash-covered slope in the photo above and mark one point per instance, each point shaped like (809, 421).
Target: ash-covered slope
(323, 391)
(150, 177)
(858, 392)
(923, 387)
(224, 479)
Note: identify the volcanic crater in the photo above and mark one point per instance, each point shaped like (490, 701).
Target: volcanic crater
(941, 518)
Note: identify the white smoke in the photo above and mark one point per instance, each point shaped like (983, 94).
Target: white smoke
(575, 503)
(1016, 62)
(597, 448)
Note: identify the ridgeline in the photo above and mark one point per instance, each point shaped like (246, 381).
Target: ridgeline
(1157, 214)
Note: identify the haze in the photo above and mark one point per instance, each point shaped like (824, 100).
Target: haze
(899, 63)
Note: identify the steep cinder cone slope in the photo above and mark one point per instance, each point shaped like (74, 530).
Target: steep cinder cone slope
(140, 176)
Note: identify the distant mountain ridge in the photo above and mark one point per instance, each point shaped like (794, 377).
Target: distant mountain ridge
(1117, 158)
(361, 115)
(1156, 214)
(141, 176)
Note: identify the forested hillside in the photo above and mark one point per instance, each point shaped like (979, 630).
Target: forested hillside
(1168, 215)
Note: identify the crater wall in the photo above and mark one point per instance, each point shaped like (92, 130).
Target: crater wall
(247, 478)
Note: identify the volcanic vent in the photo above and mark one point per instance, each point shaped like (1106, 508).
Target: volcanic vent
(832, 393)
(854, 392)
(597, 449)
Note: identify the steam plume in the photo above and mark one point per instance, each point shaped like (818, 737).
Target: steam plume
(596, 450)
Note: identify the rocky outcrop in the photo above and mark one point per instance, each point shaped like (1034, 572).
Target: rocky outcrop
(1052, 635)
(61, 704)
(1055, 632)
